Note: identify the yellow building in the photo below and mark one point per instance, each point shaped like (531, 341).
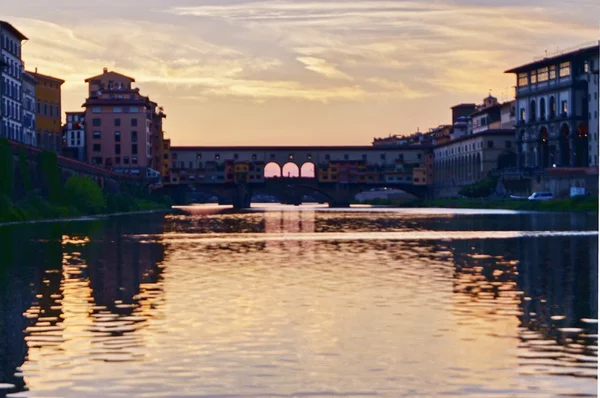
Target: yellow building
(241, 172)
(48, 111)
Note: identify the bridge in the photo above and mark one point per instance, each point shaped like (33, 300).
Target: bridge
(234, 174)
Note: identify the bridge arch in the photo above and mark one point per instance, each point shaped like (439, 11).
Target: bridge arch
(272, 170)
(290, 169)
(308, 170)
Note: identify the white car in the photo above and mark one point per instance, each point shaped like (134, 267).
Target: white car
(541, 196)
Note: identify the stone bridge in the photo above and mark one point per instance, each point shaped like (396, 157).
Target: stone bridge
(292, 190)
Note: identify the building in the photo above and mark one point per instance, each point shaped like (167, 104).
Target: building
(591, 76)
(462, 110)
(553, 107)
(74, 136)
(11, 94)
(48, 121)
(29, 130)
(492, 115)
(471, 158)
(121, 125)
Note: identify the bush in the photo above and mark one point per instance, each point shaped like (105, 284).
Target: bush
(480, 189)
(48, 164)
(24, 169)
(85, 195)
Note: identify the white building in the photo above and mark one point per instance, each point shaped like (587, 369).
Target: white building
(29, 136)
(74, 135)
(11, 93)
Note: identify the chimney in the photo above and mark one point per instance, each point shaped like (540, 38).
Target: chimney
(36, 70)
(105, 70)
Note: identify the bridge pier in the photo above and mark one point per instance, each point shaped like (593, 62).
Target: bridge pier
(242, 196)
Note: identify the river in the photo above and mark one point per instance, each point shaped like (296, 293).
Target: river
(283, 301)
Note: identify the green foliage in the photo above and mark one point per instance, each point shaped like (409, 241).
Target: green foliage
(24, 168)
(6, 168)
(480, 189)
(48, 163)
(85, 195)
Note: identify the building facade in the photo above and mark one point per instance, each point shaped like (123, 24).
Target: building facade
(48, 111)
(471, 158)
(11, 93)
(553, 110)
(74, 136)
(29, 130)
(121, 124)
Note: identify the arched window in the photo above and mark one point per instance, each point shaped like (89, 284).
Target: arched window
(532, 115)
(552, 107)
(543, 109)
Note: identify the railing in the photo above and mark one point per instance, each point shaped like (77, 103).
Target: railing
(566, 50)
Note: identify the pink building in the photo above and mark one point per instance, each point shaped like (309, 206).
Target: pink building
(120, 124)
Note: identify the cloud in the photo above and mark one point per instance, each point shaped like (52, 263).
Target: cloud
(321, 67)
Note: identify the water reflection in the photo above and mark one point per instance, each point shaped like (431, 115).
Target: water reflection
(69, 298)
(90, 309)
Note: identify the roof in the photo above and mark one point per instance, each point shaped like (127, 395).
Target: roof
(463, 106)
(6, 26)
(555, 59)
(106, 73)
(40, 76)
(507, 132)
(30, 77)
(363, 148)
(486, 110)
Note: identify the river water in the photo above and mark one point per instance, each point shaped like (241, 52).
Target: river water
(284, 301)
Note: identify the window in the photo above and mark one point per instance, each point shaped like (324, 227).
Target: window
(532, 111)
(117, 149)
(96, 122)
(134, 136)
(117, 109)
(96, 135)
(117, 122)
(45, 109)
(564, 69)
(253, 156)
(542, 74)
(508, 144)
(327, 157)
(117, 136)
(552, 107)
(586, 66)
(522, 80)
(346, 156)
(563, 107)
(39, 107)
(97, 160)
(382, 156)
(134, 160)
(133, 109)
(217, 156)
(522, 115)
(235, 156)
(419, 156)
(552, 72)
(96, 148)
(118, 160)
(126, 160)
(533, 76)
(134, 122)
(134, 149)
(490, 144)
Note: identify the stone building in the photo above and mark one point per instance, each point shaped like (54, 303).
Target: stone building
(11, 73)
(554, 107)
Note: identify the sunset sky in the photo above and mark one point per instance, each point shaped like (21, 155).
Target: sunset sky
(238, 72)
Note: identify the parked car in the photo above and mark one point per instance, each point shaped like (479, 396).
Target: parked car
(541, 196)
